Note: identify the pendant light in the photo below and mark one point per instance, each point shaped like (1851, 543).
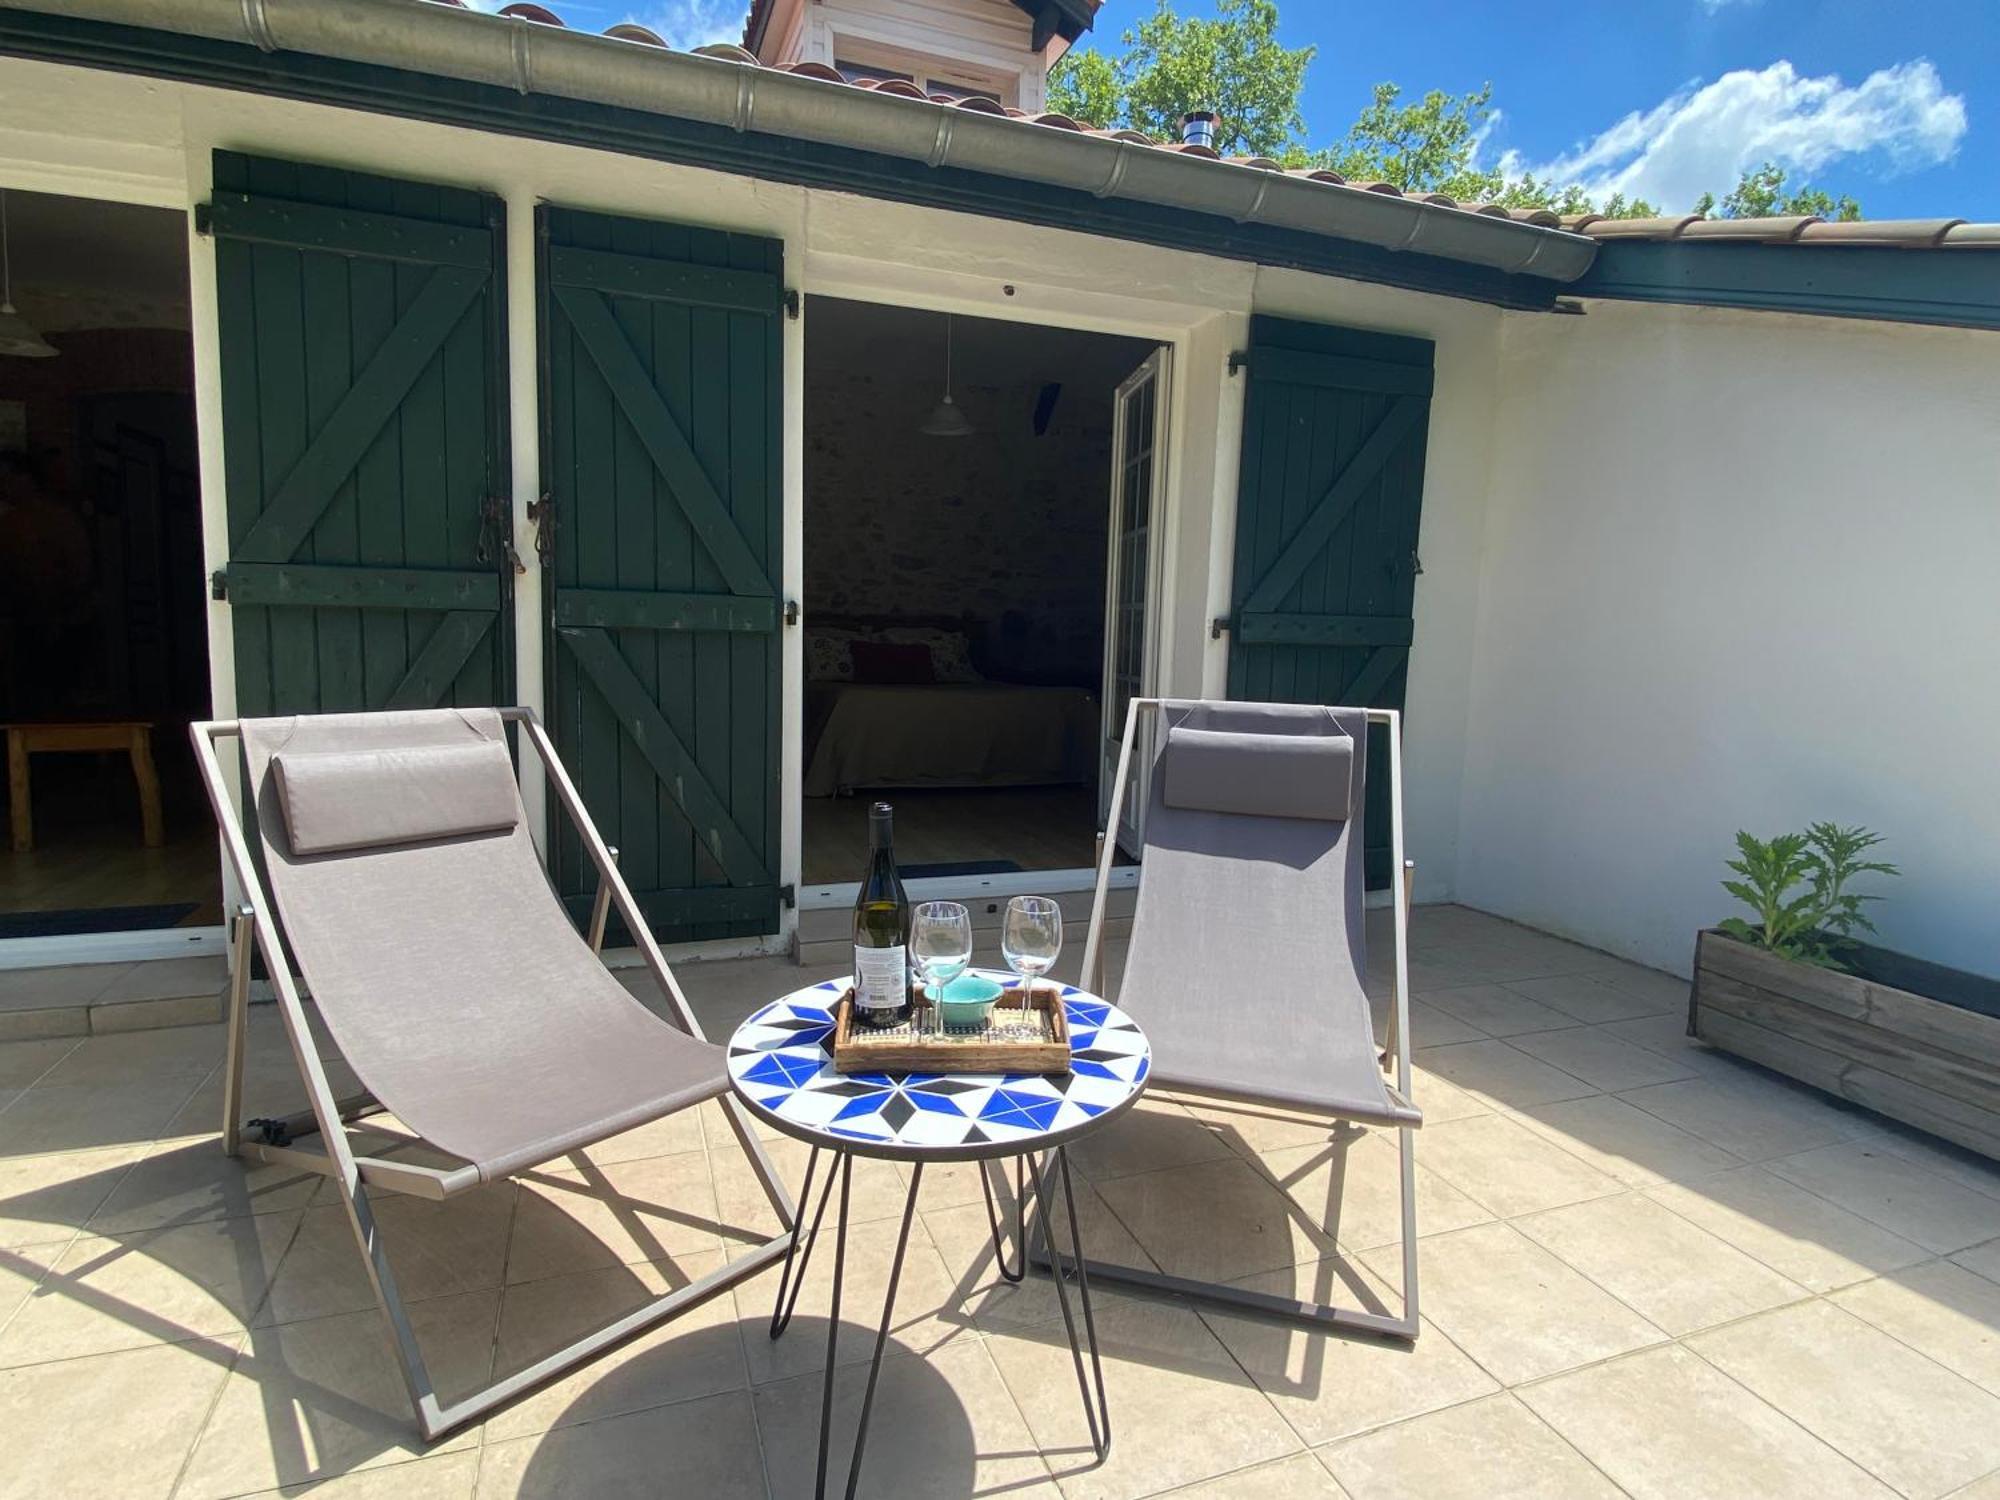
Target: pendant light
(17, 335)
(946, 420)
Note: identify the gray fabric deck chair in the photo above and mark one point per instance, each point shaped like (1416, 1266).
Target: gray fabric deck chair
(404, 881)
(1246, 960)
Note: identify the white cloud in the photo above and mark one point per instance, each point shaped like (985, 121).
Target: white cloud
(1702, 138)
(686, 24)
(1712, 6)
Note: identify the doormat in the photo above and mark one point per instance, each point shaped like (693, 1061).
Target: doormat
(21, 924)
(962, 867)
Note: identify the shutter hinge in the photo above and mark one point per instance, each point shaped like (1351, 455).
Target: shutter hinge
(204, 219)
(1239, 359)
(1416, 564)
(1216, 626)
(791, 611)
(792, 304)
(218, 584)
(789, 896)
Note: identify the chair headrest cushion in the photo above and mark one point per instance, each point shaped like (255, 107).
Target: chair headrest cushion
(338, 800)
(1263, 775)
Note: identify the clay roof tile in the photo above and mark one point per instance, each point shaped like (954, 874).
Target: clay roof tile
(541, 15)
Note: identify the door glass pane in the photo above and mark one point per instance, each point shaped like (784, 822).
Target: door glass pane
(1130, 548)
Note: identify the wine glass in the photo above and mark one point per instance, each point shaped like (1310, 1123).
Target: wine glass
(1031, 938)
(941, 944)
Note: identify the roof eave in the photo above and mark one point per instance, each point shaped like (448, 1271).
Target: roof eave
(538, 59)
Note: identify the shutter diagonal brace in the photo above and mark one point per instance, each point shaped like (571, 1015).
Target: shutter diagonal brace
(290, 513)
(1337, 504)
(680, 776)
(665, 442)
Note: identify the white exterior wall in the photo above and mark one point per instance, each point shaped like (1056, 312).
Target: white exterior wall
(1742, 570)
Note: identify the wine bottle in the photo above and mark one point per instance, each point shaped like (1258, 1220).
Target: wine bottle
(881, 931)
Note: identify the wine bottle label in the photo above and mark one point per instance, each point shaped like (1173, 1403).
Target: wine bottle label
(881, 978)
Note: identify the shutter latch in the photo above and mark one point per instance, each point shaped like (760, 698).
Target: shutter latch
(218, 584)
(1216, 626)
(543, 513)
(791, 611)
(494, 528)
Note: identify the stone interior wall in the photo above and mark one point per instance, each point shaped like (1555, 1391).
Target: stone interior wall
(1003, 527)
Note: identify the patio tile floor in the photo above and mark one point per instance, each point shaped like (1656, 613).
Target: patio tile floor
(1648, 1269)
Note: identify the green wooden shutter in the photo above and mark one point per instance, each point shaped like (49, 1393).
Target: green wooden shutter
(661, 406)
(1327, 508)
(364, 428)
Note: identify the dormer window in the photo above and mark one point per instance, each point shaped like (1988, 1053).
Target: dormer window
(994, 50)
(934, 76)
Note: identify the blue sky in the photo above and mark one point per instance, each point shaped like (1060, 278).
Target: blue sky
(1894, 101)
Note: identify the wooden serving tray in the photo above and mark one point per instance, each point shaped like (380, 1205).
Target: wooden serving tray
(1016, 1039)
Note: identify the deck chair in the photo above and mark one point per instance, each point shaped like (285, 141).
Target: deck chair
(404, 882)
(1246, 959)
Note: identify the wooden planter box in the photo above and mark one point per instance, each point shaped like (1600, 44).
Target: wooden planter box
(1915, 1041)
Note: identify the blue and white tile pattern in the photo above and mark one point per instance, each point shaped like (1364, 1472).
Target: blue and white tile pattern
(781, 1061)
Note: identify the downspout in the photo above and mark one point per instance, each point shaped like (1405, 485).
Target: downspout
(515, 54)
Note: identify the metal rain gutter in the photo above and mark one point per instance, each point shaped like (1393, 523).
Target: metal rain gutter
(520, 55)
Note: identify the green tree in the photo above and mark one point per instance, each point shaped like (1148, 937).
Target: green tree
(1171, 65)
(1426, 146)
(1085, 86)
(1431, 145)
(1760, 194)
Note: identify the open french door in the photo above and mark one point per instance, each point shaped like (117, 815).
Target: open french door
(1131, 584)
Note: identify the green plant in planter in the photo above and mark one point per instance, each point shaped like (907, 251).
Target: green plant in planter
(1797, 885)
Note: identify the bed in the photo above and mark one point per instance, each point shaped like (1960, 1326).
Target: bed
(955, 729)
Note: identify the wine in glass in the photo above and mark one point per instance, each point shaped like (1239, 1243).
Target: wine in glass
(941, 944)
(1031, 940)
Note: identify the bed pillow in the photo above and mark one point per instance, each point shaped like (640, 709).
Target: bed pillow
(828, 655)
(951, 652)
(893, 663)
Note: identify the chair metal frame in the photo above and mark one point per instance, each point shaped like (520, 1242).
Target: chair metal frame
(257, 931)
(1406, 1326)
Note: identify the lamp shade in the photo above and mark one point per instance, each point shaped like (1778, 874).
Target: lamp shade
(946, 420)
(18, 336)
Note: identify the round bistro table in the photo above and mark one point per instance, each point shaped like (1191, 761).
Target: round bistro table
(781, 1067)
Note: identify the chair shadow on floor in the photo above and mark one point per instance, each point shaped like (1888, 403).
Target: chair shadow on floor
(198, 1257)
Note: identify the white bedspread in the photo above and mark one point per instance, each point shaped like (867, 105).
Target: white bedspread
(947, 734)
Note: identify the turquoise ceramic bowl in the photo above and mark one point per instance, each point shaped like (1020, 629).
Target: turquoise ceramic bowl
(967, 1000)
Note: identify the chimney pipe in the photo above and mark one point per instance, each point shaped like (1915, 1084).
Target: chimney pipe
(1198, 128)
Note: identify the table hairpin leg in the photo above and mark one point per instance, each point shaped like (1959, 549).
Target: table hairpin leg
(1020, 1220)
(1098, 1412)
(881, 1341)
(845, 1170)
(793, 1276)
